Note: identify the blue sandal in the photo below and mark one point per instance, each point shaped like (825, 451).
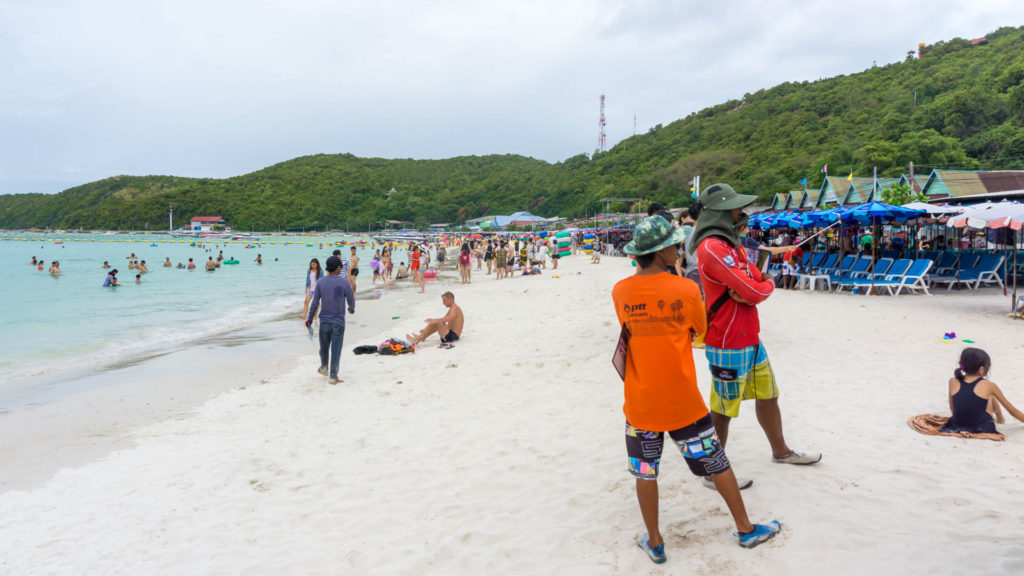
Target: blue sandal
(761, 533)
(656, 553)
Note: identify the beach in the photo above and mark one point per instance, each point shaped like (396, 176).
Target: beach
(505, 454)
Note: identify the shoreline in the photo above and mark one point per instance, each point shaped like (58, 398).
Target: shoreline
(77, 416)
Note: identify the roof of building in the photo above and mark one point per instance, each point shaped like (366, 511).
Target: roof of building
(207, 219)
(517, 218)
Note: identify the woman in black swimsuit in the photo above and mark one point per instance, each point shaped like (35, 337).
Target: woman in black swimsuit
(973, 399)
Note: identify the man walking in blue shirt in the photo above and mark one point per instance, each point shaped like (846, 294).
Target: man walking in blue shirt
(333, 291)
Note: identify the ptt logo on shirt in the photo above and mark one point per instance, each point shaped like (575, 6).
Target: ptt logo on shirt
(634, 308)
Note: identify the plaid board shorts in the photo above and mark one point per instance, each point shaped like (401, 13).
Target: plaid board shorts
(737, 375)
(697, 442)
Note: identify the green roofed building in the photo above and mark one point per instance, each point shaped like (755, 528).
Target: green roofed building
(780, 201)
(967, 183)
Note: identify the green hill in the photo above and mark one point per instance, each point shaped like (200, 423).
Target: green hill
(960, 106)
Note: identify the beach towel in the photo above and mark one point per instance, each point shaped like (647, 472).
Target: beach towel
(930, 424)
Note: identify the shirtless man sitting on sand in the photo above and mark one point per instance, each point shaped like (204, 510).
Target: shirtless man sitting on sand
(448, 328)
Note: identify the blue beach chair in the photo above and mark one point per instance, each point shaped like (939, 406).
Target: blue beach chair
(896, 272)
(985, 269)
(879, 271)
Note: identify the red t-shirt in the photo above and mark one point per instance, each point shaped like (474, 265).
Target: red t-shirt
(415, 264)
(723, 267)
(797, 254)
(661, 312)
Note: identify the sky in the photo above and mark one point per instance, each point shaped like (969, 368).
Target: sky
(96, 88)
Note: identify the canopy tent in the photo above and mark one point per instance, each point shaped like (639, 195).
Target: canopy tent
(934, 210)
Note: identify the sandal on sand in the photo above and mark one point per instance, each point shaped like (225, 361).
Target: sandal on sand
(802, 458)
(322, 370)
(656, 553)
(742, 482)
(761, 533)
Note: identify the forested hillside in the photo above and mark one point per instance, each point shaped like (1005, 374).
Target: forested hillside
(960, 106)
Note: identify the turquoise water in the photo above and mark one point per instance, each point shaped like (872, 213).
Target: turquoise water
(68, 323)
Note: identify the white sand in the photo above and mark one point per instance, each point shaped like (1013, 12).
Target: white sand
(505, 455)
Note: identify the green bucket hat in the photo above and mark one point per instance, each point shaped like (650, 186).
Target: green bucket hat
(653, 234)
(723, 197)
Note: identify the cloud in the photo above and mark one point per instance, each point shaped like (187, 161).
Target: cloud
(215, 88)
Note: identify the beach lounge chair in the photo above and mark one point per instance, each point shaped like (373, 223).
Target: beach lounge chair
(897, 271)
(946, 262)
(819, 270)
(879, 272)
(913, 279)
(986, 270)
(858, 270)
(844, 265)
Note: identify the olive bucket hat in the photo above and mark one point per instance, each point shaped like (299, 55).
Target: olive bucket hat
(723, 197)
(653, 234)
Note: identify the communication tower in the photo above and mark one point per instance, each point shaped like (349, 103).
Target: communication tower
(601, 138)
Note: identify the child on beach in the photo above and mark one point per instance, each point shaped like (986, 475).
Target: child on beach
(973, 399)
(312, 275)
(660, 313)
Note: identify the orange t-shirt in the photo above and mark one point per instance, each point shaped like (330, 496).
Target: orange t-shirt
(660, 312)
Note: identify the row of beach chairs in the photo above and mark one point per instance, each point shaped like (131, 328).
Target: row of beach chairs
(896, 275)
(859, 275)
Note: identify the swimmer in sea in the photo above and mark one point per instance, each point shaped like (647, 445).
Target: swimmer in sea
(142, 267)
(111, 279)
(259, 259)
(41, 266)
(106, 265)
(138, 278)
(167, 262)
(191, 264)
(55, 268)
(33, 262)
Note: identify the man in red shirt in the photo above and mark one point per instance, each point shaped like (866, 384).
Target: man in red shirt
(660, 314)
(732, 289)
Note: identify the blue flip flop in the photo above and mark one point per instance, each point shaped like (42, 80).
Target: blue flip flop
(656, 553)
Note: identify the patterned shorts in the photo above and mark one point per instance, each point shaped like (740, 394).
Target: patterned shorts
(737, 375)
(697, 442)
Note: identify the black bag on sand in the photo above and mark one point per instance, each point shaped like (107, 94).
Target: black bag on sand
(365, 349)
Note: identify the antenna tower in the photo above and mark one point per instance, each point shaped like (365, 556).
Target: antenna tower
(601, 138)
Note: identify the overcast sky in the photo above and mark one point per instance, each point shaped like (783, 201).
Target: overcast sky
(91, 89)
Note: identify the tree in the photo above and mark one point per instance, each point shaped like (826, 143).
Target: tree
(900, 194)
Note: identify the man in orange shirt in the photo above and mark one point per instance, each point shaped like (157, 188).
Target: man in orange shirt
(661, 313)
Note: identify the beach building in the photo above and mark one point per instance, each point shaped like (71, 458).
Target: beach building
(207, 223)
(809, 200)
(780, 201)
(518, 219)
(959, 185)
(482, 222)
(862, 190)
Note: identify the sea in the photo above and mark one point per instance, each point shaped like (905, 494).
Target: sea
(54, 329)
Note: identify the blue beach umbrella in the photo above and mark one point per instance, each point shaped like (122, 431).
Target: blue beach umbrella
(876, 213)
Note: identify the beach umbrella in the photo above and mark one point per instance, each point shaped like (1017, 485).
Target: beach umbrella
(995, 215)
(875, 213)
(935, 210)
